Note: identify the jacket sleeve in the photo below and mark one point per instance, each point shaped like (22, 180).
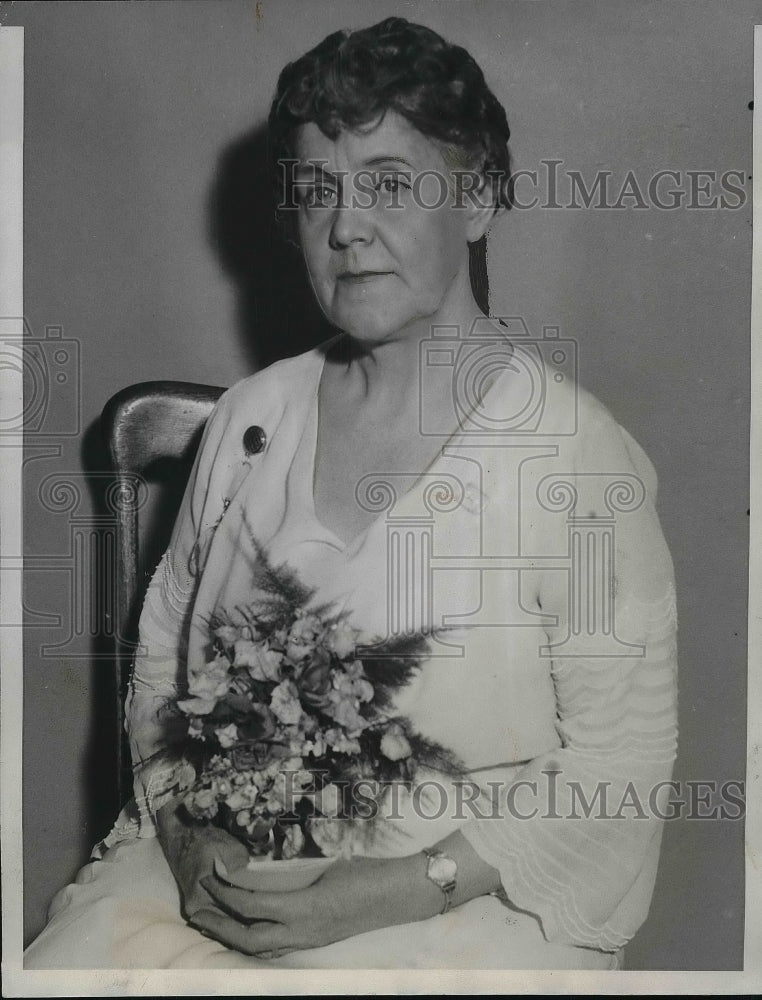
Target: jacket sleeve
(153, 726)
(585, 862)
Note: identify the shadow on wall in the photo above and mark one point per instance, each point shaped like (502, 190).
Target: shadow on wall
(277, 313)
(277, 318)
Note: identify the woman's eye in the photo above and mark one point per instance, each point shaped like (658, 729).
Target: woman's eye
(317, 196)
(391, 184)
(324, 195)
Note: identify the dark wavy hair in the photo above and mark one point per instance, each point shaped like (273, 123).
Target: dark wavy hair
(352, 77)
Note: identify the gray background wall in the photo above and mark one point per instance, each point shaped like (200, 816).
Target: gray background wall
(141, 181)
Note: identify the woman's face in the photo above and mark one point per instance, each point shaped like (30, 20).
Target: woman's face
(381, 260)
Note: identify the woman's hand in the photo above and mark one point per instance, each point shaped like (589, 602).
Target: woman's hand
(351, 897)
(190, 850)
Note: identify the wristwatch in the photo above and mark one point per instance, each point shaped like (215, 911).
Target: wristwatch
(443, 872)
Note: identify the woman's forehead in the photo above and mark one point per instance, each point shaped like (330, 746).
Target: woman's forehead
(390, 140)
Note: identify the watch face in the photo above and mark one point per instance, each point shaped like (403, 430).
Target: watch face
(443, 871)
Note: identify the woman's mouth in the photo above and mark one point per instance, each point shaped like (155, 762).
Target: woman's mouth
(360, 277)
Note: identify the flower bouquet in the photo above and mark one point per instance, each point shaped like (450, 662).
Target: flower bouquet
(290, 725)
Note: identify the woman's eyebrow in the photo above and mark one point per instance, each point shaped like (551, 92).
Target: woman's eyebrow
(317, 172)
(312, 172)
(378, 161)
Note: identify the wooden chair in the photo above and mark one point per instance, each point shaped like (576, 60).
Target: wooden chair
(152, 432)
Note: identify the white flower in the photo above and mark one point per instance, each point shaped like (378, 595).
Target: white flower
(241, 798)
(196, 728)
(202, 804)
(302, 780)
(210, 680)
(314, 748)
(263, 663)
(244, 652)
(228, 633)
(294, 842)
(293, 764)
(228, 735)
(343, 708)
(340, 743)
(341, 640)
(352, 682)
(284, 703)
(279, 797)
(363, 689)
(304, 628)
(394, 743)
(328, 801)
(197, 706)
(298, 651)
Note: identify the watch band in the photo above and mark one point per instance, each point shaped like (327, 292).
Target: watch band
(442, 870)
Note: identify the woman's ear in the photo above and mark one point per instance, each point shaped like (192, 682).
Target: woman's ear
(480, 204)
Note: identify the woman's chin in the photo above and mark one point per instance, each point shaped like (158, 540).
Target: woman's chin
(367, 322)
(370, 332)
(369, 328)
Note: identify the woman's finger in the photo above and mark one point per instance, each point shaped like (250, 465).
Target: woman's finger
(250, 939)
(198, 901)
(249, 904)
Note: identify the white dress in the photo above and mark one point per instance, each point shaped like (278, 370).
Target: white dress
(562, 707)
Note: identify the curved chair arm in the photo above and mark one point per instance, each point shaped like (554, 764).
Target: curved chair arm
(143, 426)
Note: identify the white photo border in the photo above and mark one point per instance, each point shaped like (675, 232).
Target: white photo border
(19, 982)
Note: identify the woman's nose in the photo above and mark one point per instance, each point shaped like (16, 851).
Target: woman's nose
(351, 224)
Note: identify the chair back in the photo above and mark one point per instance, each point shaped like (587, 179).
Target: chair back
(152, 431)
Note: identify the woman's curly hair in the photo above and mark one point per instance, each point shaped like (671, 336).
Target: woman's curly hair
(352, 77)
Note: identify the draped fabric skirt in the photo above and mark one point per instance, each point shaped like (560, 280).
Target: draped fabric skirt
(123, 912)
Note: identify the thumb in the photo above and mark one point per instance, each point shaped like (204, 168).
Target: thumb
(233, 853)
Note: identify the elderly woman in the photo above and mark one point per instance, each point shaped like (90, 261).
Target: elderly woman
(433, 469)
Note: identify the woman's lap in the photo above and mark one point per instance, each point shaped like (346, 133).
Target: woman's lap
(124, 912)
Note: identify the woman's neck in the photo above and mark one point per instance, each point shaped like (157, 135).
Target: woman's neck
(391, 372)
